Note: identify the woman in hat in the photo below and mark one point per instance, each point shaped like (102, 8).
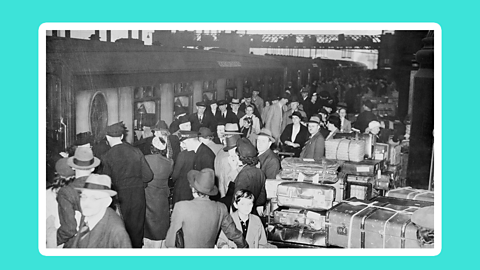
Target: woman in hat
(201, 219)
(64, 175)
(157, 217)
(250, 177)
(294, 136)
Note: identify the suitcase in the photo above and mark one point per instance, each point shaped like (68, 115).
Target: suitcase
(412, 194)
(381, 151)
(299, 217)
(363, 191)
(360, 224)
(368, 139)
(305, 195)
(364, 167)
(343, 149)
(277, 233)
(395, 155)
(400, 201)
(326, 169)
(271, 187)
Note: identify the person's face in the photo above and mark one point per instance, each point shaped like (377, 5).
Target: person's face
(328, 109)
(213, 107)
(313, 128)
(223, 107)
(375, 130)
(296, 120)
(324, 117)
(185, 126)
(294, 105)
(92, 202)
(220, 131)
(234, 107)
(314, 98)
(249, 111)
(201, 109)
(342, 113)
(244, 206)
(304, 94)
(263, 143)
(331, 127)
(267, 103)
(254, 93)
(248, 100)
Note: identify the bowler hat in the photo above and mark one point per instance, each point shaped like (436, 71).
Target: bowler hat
(213, 101)
(293, 98)
(203, 181)
(63, 169)
(183, 120)
(231, 129)
(247, 95)
(179, 111)
(231, 142)
(83, 159)
(267, 133)
(424, 217)
(84, 138)
(221, 102)
(314, 119)
(160, 125)
(205, 132)
(99, 182)
(368, 104)
(116, 130)
(185, 134)
(245, 148)
(297, 114)
(201, 103)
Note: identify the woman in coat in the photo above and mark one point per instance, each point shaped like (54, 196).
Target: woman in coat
(294, 136)
(157, 217)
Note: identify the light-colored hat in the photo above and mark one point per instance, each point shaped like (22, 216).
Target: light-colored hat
(267, 133)
(158, 144)
(99, 182)
(83, 159)
(373, 124)
(231, 129)
(235, 101)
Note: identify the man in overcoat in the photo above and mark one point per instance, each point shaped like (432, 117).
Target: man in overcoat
(129, 171)
(315, 147)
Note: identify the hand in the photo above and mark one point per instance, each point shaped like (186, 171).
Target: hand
(289, 143)
(295, 145)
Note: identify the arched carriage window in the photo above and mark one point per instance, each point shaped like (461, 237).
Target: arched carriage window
(98, 114)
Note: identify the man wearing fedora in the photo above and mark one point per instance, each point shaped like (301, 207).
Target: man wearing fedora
(269, 161)
(201, 158)
(224, 115)
(315, 146)
(235, 105)
(201, 118)
(129, 171)
(100, 226)
(83, 163)
(202, 219)
(273, 121)
(205, 136)
(365, 117)
(225, 169)
(183, 125)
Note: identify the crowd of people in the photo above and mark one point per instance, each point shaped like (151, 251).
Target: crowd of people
(213, 164)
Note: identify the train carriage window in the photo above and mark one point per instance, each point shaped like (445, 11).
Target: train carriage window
(145, 114)
(98, 114)
(184, 102)
(230, 93)
(208, 96)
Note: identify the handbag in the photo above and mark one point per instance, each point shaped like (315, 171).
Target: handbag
(179, 241)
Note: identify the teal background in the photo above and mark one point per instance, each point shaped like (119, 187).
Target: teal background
(19, 111)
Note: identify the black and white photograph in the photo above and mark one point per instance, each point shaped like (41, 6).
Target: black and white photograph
(304, 137)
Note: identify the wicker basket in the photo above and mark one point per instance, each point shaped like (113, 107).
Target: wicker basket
(343, 149)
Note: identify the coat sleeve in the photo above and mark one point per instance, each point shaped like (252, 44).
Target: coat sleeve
(66, 214)
(262, 197)
(175, 225)
(229, 228)
(273, 168)
(147, 174)
(177, 167)
(319, 150)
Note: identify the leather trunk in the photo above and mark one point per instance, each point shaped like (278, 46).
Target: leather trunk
(297, 235)
(305, 195)
(412, 194)
(361, 224)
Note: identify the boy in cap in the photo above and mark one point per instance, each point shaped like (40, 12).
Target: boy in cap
(129, 171)
(202, 219)
(100, 226)
(83, 163)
